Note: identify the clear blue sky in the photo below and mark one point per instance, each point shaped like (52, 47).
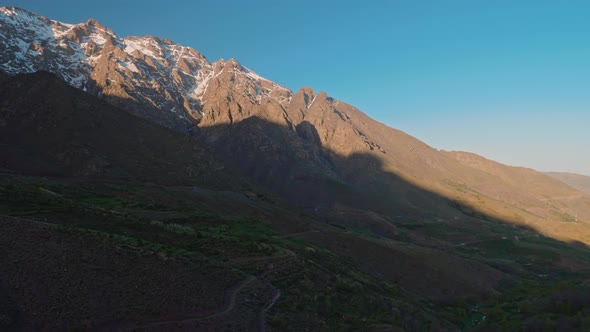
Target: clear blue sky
(506, 79)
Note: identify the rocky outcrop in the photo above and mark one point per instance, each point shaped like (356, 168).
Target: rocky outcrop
(151, 77)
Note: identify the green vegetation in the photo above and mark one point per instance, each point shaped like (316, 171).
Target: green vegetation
(246, 229)
(319, 289)
(331, 291)
(565, 217)
(460, 187)
(411, 224)
(364, 231)
(317, 286)
(29, 199)
(554, 304)
(128, 241)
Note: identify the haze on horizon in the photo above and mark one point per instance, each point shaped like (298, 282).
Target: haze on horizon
(505, 80)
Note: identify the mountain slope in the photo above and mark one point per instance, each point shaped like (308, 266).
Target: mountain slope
(398, 234)
(318, 152)
(580, 182)
(150, 221)
(112, 208)
(50, 128)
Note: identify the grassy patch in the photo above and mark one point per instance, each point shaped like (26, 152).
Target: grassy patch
(127, 240)
(565, 217)
(320, 290)
(330, 291)
(24, 200)
(411, 224)
(460, 187)
(553, 304)
(363, 231)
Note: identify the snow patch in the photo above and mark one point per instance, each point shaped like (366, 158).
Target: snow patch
(201, 87)
(250, 73)
(128, 65)
(98, 39)
(75, 60)
(132, 46)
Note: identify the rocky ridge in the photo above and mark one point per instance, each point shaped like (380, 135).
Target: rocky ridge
(149, 76)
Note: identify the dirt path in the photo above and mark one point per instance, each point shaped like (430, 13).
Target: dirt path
(229, 305)
(261, 316)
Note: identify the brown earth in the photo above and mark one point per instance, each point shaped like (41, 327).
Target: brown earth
(580, 182)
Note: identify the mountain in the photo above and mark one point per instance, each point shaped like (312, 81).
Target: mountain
(319, 153)
(50, 128)
(178, 193)
(120, 213)
(532, 191)
(91, 178)
(580, 182)
(151, 77)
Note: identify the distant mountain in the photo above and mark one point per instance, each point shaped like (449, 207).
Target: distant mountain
(580, 182)
(318, 152)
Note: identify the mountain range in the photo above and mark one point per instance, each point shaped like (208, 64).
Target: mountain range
(81, 105)
(305, 145)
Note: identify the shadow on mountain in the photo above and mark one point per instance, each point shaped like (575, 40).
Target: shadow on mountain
(440, 248)
(48, 128)
(430, 245)
(294, 164)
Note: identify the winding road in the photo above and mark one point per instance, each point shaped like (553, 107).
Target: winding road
(230, 301)
(228, 306)
(261, 316)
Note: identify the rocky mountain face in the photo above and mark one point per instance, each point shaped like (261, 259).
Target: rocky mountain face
(154, 78)
(318, 152)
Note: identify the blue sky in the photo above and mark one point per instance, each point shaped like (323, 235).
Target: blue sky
(509, 80)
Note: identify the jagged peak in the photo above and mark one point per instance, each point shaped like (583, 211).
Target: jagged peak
(323, 96)
(155, 39)
(233, 64)
(182, 74)
(306, 90)
(96, 24)
(93, 21)
(304, 97)
(13, 10)
(22, 15)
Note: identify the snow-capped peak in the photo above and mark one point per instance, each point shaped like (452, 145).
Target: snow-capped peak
(172, 79)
